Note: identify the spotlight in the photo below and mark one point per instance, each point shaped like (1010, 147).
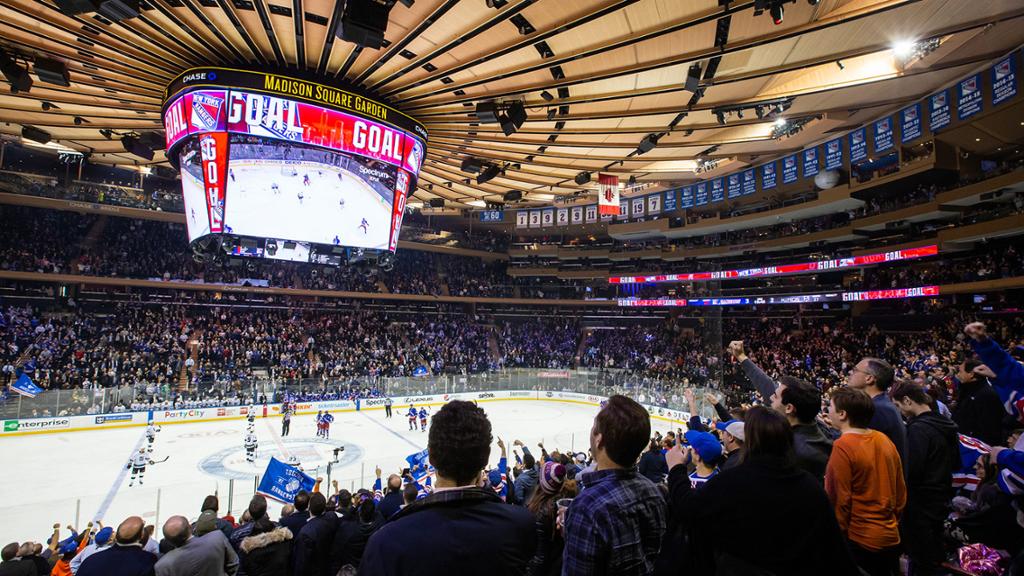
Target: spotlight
(498, 4)
(364, 22)
(488, 173)
(52, 71)
(777, 12)
(759, 110)
(79, 120)
(780, 122)
(15, 74)
(49, 106)
(472, 165)
(107, 133)
(692, 78)
(547, 96)
(721, 117)
(551, 113)
(133, 145)
(840, 64)
(513, 118)
(903, 49)
(632, 181)
(487, 112)
(35, 134)
(648, 143)
(582, 178)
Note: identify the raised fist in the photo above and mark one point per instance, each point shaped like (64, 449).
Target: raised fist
(736, 349)
(976, 330)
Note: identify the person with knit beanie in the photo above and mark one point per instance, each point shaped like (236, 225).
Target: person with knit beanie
(548, 557)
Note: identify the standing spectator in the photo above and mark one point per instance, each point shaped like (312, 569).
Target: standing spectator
(864, 481)
(799, 402)
(35, 556)
(125, 557)
(934, 454)
(313, 545)
(207, 555)
(392, 500)
(354, 531)
(764, 516)
(1009, 374)
(874, 376)
(548, 557)
(707, 453)
(460, 524)
(652, 463)
(267, 550)
(208, 520)
(978, 411)
(616, 524)
(11, 565)
(100, 541)
(297, 519)
(526, 481)
(732, 439)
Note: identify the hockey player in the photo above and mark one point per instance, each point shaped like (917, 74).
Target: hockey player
(251, 442)
(151, 431)
(137, 464)
(301, 196)
(274, 188)
(412, 417)
(341, 202)
(232, 174)
(320, 423)
(252, 415)
(327, 423)
(365, 226)
(305, 179)
(423, 419)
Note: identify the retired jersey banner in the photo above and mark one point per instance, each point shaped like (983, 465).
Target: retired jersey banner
(686, 197)
(733, 184)
(749, 182)
(522, 219)
(577, 215)
(638, 207)
(562, 217)
(1004, 79)
(670, 201)
(910, 123)
(768, 176)
(968, 97)
(608, 194)
(534, 218)
(654, 204)
(702, 193)
(938, 110)
(834, 154)
(623, 210)
(883, 134)
(718, 190)
(789, 168)
(547, 217)
(810, 162)
(858, 145)
(590, 213)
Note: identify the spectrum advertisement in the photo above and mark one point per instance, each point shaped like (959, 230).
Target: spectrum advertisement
(917, 292)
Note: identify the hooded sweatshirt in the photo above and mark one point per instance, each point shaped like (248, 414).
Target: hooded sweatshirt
(934, 454)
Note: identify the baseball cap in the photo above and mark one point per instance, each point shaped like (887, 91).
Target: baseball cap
(734, 427)
(68, 547)
(705, 444)
(103, 536)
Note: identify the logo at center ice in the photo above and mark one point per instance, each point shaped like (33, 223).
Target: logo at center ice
(312, 453)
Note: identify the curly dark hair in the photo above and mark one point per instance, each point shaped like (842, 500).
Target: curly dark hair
(459, 441)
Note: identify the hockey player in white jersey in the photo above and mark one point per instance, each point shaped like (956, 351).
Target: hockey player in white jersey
(252, 415)
(151, 431)
(251, 443)
(137, 464)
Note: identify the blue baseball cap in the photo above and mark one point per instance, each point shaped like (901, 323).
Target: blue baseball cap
(705, 444)
(68, 547)
(103, 536)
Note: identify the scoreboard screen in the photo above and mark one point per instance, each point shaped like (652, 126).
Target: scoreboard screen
(281, 169)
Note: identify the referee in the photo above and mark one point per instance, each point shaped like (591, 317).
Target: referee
(387, 407)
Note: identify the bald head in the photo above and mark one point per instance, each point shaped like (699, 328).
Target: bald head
(130, 531)
(177, 530)
(10, 552)
(394, 482)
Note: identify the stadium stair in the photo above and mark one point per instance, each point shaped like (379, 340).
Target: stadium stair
(382, 287)
(492, 344)
(90, 240)
(193, 353)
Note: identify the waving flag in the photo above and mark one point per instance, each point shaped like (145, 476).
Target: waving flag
(282, 481)
(24, 386)
(970, 450)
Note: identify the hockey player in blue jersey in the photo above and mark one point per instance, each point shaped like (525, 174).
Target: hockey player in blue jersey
(327, 419)
(412, 417)
(320, 423)
(305, 179)
(423, 419)
(365, 226)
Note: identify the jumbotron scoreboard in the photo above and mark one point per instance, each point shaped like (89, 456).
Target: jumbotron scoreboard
(285, 168)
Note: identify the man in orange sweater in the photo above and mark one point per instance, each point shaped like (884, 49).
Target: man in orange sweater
(864, 482)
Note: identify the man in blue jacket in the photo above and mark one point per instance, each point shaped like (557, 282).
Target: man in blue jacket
(1009, 374)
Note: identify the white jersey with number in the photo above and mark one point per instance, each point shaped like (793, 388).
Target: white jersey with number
(139, 460)
(250, 441)
(151, 432)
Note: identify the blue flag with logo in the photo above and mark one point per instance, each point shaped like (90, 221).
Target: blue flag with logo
(970, 450)
(282, 482)
(419, 465)
(420, 370)
(24, 386)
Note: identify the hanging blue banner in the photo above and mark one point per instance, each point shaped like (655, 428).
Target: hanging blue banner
(834, 154)
(419, 465)
(735, 191)
(749, 182)
(717, 190)
(910, 123)
(282, 482)
(810, 162)
(686, 197)
(492, 216)
(883, 134)
(938, 110)
(968, 97)
(24, 386)
(858, 145)
(670, 200)
(1004, 79)
(768, 176)
(702, 193)
(419, 371)
(789, 168)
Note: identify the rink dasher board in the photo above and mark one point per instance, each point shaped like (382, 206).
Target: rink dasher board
(84, 423)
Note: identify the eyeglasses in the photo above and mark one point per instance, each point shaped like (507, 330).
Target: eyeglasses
(864, 372)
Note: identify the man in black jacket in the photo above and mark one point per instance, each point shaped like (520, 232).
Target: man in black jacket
(296, 520)
(313, 546)
(11, 565)
(978, 412)
(799, 401)
(392, 499)
(461, 528)
(933, 453)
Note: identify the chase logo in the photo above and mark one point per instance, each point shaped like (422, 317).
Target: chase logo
(10, 426)
(197, 76)
(212, 76)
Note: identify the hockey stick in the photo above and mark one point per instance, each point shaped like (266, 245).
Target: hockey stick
(159, 461)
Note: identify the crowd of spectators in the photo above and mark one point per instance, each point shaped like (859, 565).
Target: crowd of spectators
(539, 342)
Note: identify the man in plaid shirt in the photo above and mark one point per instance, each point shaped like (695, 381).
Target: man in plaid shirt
(616, 524)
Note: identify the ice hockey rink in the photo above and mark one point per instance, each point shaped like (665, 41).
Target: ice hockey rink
(57, 477)
(313, 212)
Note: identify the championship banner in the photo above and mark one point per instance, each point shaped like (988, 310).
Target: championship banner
(590, 213)
(768, 176)
(718, 189)
(654, 204)
(547, 217)
(938, 110)
(686, 197)
(534, 218)
(810, 162)
(733, 185)
(968, 97)
(638, 207)
(24, 386)
(282, 482)
(834, 154)
(910, 123)
(789, 168)
(702, 193)
(1004, 79)
(522, 219)
(562, 217)
(749, 181)
(883, 134)
(577, 215)
(670, 201)
(608, 194)
(858, 145)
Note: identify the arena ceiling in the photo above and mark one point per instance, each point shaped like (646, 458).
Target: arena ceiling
(596, 76)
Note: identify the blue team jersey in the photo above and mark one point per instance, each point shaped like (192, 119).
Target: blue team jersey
(412, 412)
(423, 413)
